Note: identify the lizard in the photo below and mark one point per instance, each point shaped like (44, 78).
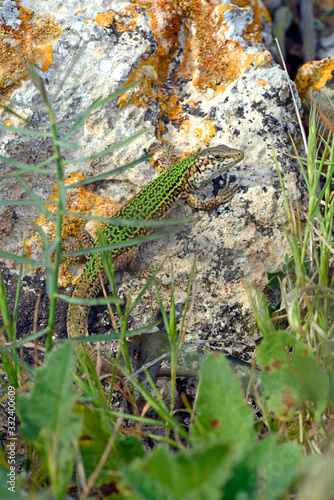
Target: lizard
(153, 202)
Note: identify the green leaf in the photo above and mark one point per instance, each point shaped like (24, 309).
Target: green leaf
(266, 470)
(114, 171)
(109, 336)
(47, 419)
(291, 375)
(123, 244)
(274, 282)
(130, 222)
(95, 105)
(106, 151)
(95, 434)
(23, 104)
(222, 413)
(38, 203)
(25, 131)
(8, 485)
(271, 309)
(51, 398)
(197, 474)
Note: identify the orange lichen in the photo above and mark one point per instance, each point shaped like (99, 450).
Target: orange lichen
(262, 82)
(46, 57)
(313, 76)
(198, 132)
(209, 59)
(78, 200)
(31, 38)
(192, 102)
(105, 19)
(79, 11)
(129, 24)
(211, 132)
(8, 123)
(263, 59)
(186, 126)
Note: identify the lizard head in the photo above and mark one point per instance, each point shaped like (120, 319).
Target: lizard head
(209, 163)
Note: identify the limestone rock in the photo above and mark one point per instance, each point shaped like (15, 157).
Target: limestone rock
(207, 79)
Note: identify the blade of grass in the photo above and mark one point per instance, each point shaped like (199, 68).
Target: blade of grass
(23, 104)
(25, 131)
(68, 72)
(98, 301)
(146, 286)
(131, 222)
(110, 172)
(123, 244)
(95, 105)
(21, 260)
(28, 338)
(108, 336)
(302, 130)
(37, 201)
(106, 151)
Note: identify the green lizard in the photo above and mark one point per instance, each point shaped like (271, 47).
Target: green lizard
(152, 203)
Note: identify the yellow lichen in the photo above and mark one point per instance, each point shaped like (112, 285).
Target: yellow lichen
(263, 59)
(80, 200)
(186, 126)
(105, 19)
(313, 76)
(210, 132)
(46, 57)
(198, 132)
(31, 38)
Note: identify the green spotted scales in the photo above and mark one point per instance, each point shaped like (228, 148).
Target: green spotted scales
(152, 203)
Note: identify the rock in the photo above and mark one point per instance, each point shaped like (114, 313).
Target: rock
(207, 79)
(317, 77)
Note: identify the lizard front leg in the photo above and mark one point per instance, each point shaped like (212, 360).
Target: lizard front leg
(222, 197)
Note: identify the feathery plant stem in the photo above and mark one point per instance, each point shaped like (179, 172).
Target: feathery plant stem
(61, 207)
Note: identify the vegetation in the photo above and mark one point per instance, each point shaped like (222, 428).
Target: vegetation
(70, 442)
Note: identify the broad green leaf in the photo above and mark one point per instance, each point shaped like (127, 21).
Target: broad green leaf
(52, 397)
(291, 375)
(47, 419)
(222, 413)
(9, 485)
(266, 470)
(95, 434)
(198, 474)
